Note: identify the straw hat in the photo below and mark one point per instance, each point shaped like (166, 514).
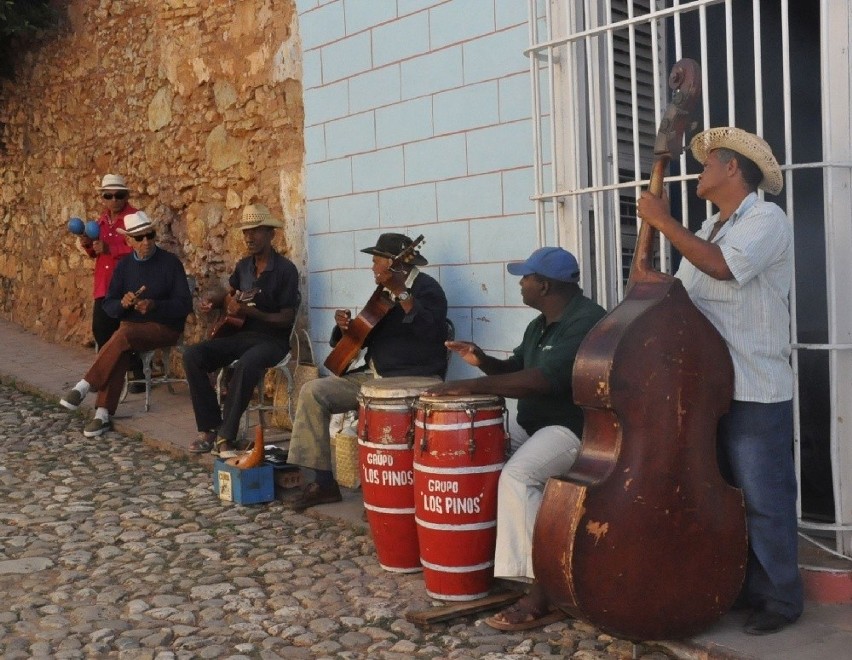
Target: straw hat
(749, 145)
(113, 182)
(257, 215)
(136, 224)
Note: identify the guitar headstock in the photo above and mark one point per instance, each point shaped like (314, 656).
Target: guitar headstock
(408, 254)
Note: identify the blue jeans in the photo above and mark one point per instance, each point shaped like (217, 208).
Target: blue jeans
(755, 445)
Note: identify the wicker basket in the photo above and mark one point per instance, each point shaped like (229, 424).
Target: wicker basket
(345, 453)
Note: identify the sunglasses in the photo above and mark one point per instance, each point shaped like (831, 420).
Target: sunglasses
(151, 235)
(121, 194)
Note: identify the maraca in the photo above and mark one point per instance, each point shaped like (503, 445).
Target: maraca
(76, 226)
(93, 229)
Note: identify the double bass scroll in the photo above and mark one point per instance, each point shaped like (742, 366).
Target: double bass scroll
(643, 537)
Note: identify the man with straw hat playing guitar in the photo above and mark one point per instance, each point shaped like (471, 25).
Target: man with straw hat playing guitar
(258, 339)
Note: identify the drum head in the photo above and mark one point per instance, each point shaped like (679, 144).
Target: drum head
(396, 387)
(446, 402)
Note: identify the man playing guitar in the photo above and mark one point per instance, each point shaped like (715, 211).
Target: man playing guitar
(259, 336)
(407, 326)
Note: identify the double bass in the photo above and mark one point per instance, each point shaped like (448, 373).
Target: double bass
(347, 349)
(643, 537)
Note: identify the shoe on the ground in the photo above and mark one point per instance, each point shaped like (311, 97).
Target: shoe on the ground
(71, 399)
(766, 622)
(314, 494)
(96, 427)
(136, 388)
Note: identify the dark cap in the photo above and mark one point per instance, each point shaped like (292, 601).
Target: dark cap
(390, 245)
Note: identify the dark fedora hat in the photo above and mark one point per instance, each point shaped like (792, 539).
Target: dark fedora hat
(390, 245)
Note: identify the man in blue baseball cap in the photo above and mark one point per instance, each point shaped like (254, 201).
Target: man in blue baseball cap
(538, 375)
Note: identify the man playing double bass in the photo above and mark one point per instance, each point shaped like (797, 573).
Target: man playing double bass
(538, 374)
(738, 269)
(407, 341)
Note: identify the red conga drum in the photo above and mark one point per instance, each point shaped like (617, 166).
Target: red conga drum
(460, 446)
(385, 438)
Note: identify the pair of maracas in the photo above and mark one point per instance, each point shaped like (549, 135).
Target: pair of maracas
(89, 228)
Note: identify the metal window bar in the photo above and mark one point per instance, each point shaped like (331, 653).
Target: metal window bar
(586, 199)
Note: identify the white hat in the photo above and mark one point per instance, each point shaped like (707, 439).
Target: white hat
(257, 215)
(749, 145)
(136, 224)
(113, 182)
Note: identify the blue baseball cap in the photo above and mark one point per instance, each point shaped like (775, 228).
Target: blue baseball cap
(552, 262)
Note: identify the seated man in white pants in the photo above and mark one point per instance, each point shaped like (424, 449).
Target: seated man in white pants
(539, 376)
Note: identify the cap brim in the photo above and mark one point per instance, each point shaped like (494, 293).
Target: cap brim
(519, 268)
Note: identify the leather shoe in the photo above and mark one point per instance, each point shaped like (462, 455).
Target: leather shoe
(766, 622)
(314, 494)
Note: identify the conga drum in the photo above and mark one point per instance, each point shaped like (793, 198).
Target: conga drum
(385, 439)
(460, 447)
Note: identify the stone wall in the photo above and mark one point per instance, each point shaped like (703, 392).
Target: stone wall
(197, 102)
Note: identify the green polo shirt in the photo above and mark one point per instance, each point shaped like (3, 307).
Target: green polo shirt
(552, 348)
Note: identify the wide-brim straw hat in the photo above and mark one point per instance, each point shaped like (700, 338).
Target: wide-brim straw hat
(136, 224)
(113, 182)
(257, 215)
(747, 144)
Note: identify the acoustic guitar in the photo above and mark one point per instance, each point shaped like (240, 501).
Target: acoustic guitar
(347, 349)
(228, 324)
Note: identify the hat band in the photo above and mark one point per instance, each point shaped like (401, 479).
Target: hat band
(141, 229)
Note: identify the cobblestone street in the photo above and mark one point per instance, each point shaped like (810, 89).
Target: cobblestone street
(111, 549)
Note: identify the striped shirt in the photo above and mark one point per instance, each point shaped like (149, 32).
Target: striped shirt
(751, 311)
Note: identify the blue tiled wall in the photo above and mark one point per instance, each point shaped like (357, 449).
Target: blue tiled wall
(417, 116)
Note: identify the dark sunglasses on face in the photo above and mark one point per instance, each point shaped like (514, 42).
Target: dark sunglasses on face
(150, 236)
(121, 194)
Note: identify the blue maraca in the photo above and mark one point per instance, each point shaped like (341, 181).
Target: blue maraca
(93, 229)
(76, 226)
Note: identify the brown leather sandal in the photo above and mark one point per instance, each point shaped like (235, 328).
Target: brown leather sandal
(203, 444)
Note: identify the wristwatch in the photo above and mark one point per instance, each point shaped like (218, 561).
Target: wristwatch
(405, 295)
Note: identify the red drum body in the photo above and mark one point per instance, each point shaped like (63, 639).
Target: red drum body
(385, 437)
(460, 446)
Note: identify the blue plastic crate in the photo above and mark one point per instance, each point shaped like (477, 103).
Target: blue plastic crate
(251, 486)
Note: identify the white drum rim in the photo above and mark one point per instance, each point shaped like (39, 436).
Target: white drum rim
(397, 387)
(393, 405)
(478, 402)
(456, 597)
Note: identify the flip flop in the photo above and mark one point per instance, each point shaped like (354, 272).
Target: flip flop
(530, 619)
